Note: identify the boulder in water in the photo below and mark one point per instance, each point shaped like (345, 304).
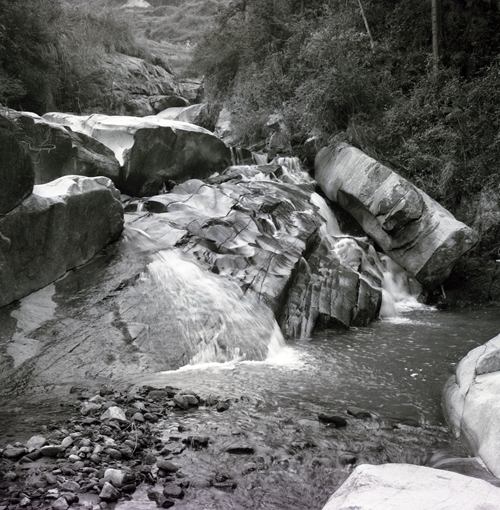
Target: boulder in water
(411, 487)
(16, 169)
(152, 150)
(411, 228)
(470, 402)
(60, 226)
(56, 151)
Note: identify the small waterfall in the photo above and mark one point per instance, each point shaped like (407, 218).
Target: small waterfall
(399, 290)
(259, 159)
(292, 170)
(207, 317)
(331, 225)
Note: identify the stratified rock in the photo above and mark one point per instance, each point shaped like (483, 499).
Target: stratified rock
(411, 487)
(470, 402)
(411, 228)
(152, 150)
(16, 169)
(60, 226)
(56, 151)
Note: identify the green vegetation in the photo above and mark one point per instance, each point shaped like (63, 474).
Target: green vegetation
(316, 64)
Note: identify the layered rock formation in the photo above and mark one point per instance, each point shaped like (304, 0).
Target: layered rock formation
(470, 402)
(60, 226)
(152, 151)
(56, 151)
(200, 269)
(16, 170)
(410, 227)
(410, 487)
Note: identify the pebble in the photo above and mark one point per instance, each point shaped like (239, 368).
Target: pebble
(167, 466)
(171, 490)
(14, 453)
(109, 493)
(222, 406)
(138, 417)
(70, 486)
(36, 442)
(114, 413)
(51, 450)
(60, 504)
(115, 476)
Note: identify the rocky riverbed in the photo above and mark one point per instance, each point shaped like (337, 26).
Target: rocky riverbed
(144, 447)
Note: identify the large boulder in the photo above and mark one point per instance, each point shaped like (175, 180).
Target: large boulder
(16, 169)
(152, 151)
(190, 114)
(410, 487)
(411, 228)
(471, 405)
(56, 151)
(60, 226)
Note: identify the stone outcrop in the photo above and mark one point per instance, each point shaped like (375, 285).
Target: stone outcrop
(56, 151)
(411, 487)
(200, 269)
(411, 228)
(152, 151)
(190, 114)
(471, 406)
(60, 226)
(132, 81)
(17, 176)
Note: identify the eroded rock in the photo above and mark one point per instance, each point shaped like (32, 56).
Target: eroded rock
(470, 402)
(398, 486)
(152, 151)
(411, 228)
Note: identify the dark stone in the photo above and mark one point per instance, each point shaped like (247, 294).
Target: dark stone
(14, 453)
(241, 449)
(171, 490)
(338, 421)
(359, 413)
(166, 466)
(17, 175)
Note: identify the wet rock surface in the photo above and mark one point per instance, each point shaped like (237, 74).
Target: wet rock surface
(410, 227)
(60, 226)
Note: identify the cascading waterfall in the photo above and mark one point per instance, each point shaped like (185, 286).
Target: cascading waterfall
(399, 290)
(208, 316)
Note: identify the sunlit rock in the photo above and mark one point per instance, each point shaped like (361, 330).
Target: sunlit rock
(412, 487)
(152, 151)
(60, 226)
(190, 114)
(471, 404)
(410, 227)
(56, 151)
(16, 170)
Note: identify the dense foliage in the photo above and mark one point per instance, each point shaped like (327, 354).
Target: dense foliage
(50, 51)
(316, 64)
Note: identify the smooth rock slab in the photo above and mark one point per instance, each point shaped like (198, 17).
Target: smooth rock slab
(411, 228)
(152, 151)
(471, 405)
(60, 226)
(411, 487)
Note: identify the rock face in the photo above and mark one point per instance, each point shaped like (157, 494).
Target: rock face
(152, 151)
(188, 114)
(60, 226)
(201, 271)
(56, 151)
(410, 487)
(471, 405)
(16, 170)
(410, 227)
(133, 81)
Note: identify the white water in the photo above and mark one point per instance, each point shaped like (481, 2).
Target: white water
(212, 317)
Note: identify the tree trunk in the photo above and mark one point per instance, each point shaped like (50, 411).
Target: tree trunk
(436, 32)
(372, 43)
